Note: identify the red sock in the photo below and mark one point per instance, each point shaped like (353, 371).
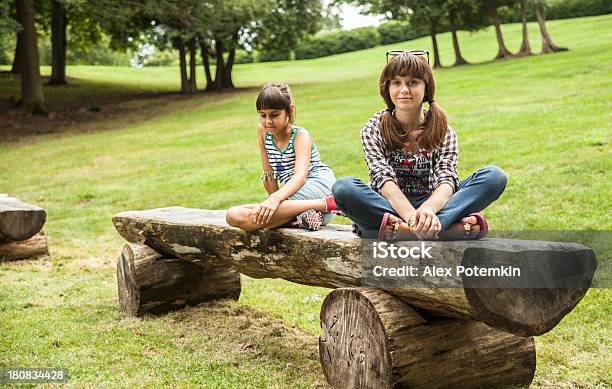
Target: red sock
(330, 203)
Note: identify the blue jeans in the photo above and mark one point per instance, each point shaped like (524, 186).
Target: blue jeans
(366, 208)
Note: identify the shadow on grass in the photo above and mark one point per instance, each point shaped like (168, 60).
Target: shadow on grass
(86, 106)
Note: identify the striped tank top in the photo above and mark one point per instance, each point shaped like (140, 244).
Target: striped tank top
(283, 161)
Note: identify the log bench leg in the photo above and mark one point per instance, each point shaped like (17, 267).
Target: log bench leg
(25, 249)
(370, 339)
(149, 283)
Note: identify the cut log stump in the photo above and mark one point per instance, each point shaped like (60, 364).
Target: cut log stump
(150, 283)
(333, 257)
(370, 339)
(26, 249)
(19, 221)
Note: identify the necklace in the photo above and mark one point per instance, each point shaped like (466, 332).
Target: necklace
(409, 150)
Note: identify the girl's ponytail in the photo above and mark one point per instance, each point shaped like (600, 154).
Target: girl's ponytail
(434, 127)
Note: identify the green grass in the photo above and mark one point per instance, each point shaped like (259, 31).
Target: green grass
(544, 119)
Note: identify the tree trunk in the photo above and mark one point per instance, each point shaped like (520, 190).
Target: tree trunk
(25, 249)
(18, 220)
(227, 73)
(525, 50)
(183, 66)
(193, 89)
(59, 22)
(220, 68)
(370, 339)
(15, 69)
(436, 51)
(547, 44)
(150, 283)
(32, 97)
(334, 258)
(502, 51)
(459, 60)
(206, 65)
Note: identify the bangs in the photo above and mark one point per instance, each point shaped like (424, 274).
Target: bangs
(406, 65)
(272, 98)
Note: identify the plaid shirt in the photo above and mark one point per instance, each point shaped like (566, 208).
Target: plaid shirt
(444, 160)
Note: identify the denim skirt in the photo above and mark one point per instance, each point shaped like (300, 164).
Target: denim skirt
(318, 185)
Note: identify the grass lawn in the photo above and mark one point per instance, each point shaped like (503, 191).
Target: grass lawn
(544, 119)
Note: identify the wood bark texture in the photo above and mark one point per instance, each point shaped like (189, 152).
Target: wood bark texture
(333, 258)
(32, 97)
(370, 339)
(149, 283)
(25, 249)
(18, 220)
(59, 23)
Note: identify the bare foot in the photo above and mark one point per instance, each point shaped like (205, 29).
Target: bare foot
(404, 231)
(403, 224)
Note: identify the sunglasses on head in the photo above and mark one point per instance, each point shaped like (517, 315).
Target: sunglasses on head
(395, 53)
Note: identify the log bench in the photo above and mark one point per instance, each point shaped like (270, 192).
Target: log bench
(427, 336)
(21, 233)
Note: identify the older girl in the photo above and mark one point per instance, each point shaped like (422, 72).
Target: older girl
(412, 157)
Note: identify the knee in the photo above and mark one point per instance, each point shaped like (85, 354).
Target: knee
(343, 188)
(495, 179)
(344, 191)
(233, 217)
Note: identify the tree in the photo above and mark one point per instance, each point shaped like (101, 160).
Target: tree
(81, 18)
(182, 21)
(218, 27)
(40, 11)
(525, 50)
(16, 66)
(32, 97)
(234, 21)
(288, 23)
(8, 26)
(490, 7)
(426, 16)
(547, 44)
(59, 22)
(457, 11)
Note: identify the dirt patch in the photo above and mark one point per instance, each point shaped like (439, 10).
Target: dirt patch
(72, 113)
(79, 116)
(247, 333)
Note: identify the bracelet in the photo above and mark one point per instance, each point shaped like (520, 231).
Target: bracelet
(268, 176)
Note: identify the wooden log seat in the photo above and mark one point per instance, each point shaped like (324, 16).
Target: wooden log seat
(332, 257)
(149, 283)
(370, 339)
(19, 221)
(25, 249)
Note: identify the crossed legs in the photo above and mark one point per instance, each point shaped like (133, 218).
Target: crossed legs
(241, 216)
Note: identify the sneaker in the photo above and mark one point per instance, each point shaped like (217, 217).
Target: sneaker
(310, 220)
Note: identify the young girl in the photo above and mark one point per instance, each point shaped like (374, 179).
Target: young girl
(288, 155)
(412, 157)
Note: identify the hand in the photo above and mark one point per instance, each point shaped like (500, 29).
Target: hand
(264, 212)
(426, 223)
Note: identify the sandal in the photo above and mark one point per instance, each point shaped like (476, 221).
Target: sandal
(392, 231)
(480, 221)
(310, 220)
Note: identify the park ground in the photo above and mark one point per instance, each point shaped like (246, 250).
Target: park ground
(122, 139)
